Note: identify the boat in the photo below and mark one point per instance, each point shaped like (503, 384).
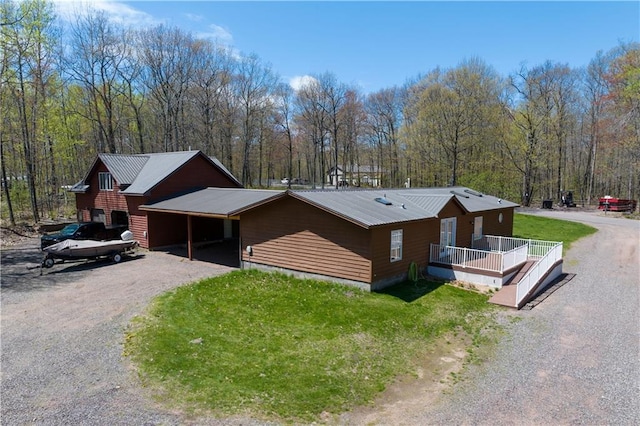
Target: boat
(87, 249)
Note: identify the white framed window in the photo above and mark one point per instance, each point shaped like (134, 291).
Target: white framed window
(396, 245)
(105, 183)
(477, 227)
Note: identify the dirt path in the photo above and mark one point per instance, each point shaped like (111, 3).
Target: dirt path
(574, 359)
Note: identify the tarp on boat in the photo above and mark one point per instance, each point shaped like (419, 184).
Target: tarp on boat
(88, 248)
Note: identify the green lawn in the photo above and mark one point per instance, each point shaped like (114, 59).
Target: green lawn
(275, 346)
(281, 348)
(547, 229)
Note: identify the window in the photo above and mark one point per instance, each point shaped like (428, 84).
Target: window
(477, 227)
(104, 181)
(396, 245)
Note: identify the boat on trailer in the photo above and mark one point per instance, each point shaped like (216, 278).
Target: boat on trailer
(87, 249)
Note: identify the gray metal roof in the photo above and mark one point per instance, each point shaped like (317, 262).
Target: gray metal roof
(136, 174)
(156, 169)
(124, 168)
(472, 201)
(358, 206)
(222, 202)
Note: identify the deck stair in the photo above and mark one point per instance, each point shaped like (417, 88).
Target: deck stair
(520, 268)
(506, 296)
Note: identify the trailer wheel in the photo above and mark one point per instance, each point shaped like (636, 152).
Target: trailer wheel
(117, 257)
(48, 262)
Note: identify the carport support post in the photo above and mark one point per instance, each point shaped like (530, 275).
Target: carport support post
(189, 239)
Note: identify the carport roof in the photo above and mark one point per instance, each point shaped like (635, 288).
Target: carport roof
(214, 202)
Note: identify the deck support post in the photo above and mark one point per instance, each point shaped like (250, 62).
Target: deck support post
(189, 238)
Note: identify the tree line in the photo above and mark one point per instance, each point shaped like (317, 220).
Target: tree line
(69, 92)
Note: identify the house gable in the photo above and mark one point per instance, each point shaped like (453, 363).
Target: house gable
(140, 178)
(288, 233)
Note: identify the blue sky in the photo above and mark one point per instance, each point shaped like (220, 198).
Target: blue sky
(375, 45)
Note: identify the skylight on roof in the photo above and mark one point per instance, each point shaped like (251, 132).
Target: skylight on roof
(384, 201)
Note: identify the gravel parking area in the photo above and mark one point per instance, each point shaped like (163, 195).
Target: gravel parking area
(573, 359)
(62, 336)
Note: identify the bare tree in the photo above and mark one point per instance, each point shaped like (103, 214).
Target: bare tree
(313, 120)
(97, 54)
(284, 121)
(254, 84)
(384, 118)
(168, 56)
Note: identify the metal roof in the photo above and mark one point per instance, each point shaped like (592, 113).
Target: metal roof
(136, 174)
(124, 168)
(472, 201)
(361, 207)
(358, 206)
(223, 202)
(156, 169)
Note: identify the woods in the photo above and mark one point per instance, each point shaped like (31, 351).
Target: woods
(70, 91)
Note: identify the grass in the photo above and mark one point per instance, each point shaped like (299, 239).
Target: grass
(547, 229)
(273, 346)
(279, 348)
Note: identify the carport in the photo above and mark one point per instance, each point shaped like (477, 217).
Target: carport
(202, 217)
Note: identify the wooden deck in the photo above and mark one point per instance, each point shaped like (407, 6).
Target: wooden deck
(507, 295)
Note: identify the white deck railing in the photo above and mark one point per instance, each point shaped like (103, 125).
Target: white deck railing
(485, 260)
(537, 271)
(536, 248)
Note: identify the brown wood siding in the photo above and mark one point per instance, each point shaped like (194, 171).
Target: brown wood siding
(197, 173)
(138, 225)
(294, 235)
(416, 237)
(492, 226)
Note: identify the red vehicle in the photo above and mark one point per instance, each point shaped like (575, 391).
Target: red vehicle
(612, 204)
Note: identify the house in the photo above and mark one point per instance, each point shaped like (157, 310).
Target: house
(367, 238)
(355, 175)
(116, 185)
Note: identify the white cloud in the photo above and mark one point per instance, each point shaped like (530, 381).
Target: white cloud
(218, 34)
(193, 17)
(298, 82)
(117, 12)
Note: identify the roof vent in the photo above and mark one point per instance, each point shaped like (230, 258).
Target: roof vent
(472, 192)
(459, 194)
(384, 201)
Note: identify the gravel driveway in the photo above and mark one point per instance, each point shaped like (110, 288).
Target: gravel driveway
(62, 336)
(573, 359)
